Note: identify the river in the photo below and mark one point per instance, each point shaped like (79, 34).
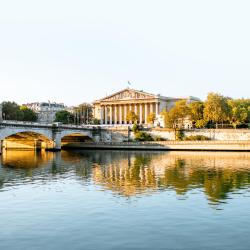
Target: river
(124, 200)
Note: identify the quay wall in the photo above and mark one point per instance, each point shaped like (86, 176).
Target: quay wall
(168, 145)
(212, 134)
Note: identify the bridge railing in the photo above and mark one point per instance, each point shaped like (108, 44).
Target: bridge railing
(11, 123)
(210, 142)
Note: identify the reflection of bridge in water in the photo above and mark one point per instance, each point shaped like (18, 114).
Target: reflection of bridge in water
(129, 174)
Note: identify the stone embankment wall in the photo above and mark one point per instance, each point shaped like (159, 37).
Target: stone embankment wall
(213, 134)
(168, 145)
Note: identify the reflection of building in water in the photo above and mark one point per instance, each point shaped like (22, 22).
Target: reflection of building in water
(217, 174)
(124, 179)
(134, 173)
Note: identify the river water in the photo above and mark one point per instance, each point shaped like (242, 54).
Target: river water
(124, 200)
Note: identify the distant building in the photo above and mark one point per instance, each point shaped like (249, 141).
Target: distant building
(46, 111)
(113, 109)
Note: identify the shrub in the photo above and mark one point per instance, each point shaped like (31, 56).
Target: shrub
(159, 138)
(179, 135)
(135, 128)
(197, 138)
(143, 136)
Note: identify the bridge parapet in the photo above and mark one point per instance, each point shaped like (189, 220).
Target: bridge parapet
(53, 132)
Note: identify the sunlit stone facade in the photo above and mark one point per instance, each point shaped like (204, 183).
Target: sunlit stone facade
(114, 108)
(46, 111)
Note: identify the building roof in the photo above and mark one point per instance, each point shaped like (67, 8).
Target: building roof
(128, 94)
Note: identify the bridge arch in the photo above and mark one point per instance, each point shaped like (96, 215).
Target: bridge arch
(75, 132)
(26, 140)
(75, 138)
(7, 132)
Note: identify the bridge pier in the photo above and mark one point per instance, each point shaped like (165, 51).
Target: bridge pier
(57, 146)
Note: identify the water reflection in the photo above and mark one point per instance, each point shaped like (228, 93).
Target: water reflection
(128, 174)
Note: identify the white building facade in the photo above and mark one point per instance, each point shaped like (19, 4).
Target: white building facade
(114, 108)
(46, 111)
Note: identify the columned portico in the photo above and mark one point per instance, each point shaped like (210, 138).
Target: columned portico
(114, 109)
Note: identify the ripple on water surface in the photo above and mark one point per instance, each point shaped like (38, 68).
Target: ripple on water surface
(124, 200)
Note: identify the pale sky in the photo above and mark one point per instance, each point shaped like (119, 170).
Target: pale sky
(76, 51)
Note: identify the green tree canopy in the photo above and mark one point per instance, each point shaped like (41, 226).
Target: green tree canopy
(12, 111)
(28, 114)
(240, 111)
(196, 111)
(64, 116)
(176, 115)
(216, 108)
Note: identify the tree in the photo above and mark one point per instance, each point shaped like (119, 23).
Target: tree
(28, 114)
(176, 115)
(64, 116)
(12, 111)
(196, 111)
(216, 108)
(200, 123)
(151, 118)
(131, 116)
(83, 113)
(240, 111)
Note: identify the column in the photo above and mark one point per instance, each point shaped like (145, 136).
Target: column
(106, 115)
(135, 110)
(140, 113)
(151, 108)
(115, 119)
(101, 115)
(125, 114)
(130, 109)
(120, 114)
(156, 108)
(111, 114)
(146, 112)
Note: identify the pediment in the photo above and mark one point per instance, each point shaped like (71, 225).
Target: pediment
(128, 94)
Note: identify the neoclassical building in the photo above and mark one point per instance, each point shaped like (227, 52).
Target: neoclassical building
(114, 108)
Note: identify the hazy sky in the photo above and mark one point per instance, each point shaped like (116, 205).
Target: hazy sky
(74, 51)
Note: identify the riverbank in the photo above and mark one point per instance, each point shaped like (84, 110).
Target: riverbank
(166, 145)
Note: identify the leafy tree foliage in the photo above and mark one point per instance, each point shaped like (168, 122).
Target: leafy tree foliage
(12, 111)
(28, 114)
(240, 111)
(143, 136)
(216, 108)
(200, 123)
(83, 113)
(196, 111)
(176, 115)
(131, 116)
(64, 116)
(151, 118)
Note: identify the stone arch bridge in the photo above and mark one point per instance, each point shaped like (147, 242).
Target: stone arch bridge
(53, 133)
